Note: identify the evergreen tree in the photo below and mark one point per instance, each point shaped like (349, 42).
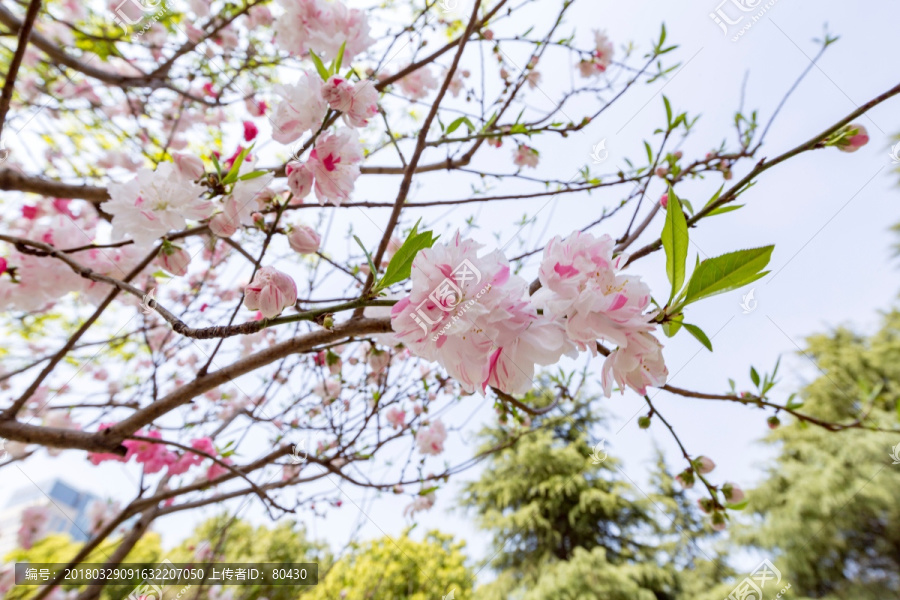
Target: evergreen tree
(828, 512)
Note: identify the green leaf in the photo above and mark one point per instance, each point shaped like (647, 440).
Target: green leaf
(724, 209)
(671, 327)
(400, 267)
(455, 125)
(668, 111)
(252, 175)
(698, 333)
(339, 59)
(675, 242)
(236, 167)
(427, 491)
(323, 72)
(727, 272)
(754, 376)
(217, 165)
(372, 268)
(739, 506)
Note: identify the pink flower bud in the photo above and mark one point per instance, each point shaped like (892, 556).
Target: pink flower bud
(733, 493)
(189, 165)
(661, 171)
(250, 131)
(304, 240)
(270, 292)
(664, 201)
(300, 179)
(174, 259)
(3, 265)
(704, 465)
(855, 141)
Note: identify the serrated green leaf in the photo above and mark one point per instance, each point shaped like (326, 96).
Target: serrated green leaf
(727, 272)
(700, 335)
(675, 242)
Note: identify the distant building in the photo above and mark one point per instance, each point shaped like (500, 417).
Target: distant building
(68, 512)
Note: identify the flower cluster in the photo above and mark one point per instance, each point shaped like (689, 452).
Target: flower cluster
(155, 456)
(154, 203)
(475, 318)
(600, 59)
(472, 316)
(322, 27)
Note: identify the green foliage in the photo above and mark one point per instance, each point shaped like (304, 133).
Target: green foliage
(400, 267)
(61, 549)
(675, 241)
(728, 272)
(399, 569)
(238, 541)
(828, 507)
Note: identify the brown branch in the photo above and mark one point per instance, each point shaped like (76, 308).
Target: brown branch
(34, 7)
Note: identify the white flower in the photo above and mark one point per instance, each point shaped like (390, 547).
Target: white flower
(154, 203)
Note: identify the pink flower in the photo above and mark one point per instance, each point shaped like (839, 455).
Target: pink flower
(34, 525)
(335, 165)
(600, 59)
(270, 292)
(322, 27)
(300, 179)
(417, 84)
(526, 156)
(30, 212)
(259, 16)
(472, 316)
(379, 360)
(302, 108)
(304, 240)
(98, 457)
(395, 417)
(363, 104)
(430, 438)
(256, 108)
(174, 259)
(189, 166)
(216, 470)
(223, 224)
(858, 139)
(338, 93)
(3, 265)
(328, 389)
(638, 364)
(190, 459)
(154, 456)
(250, 131)
(419, 504)
(154, 203)
(582, 282)
(664, 201)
